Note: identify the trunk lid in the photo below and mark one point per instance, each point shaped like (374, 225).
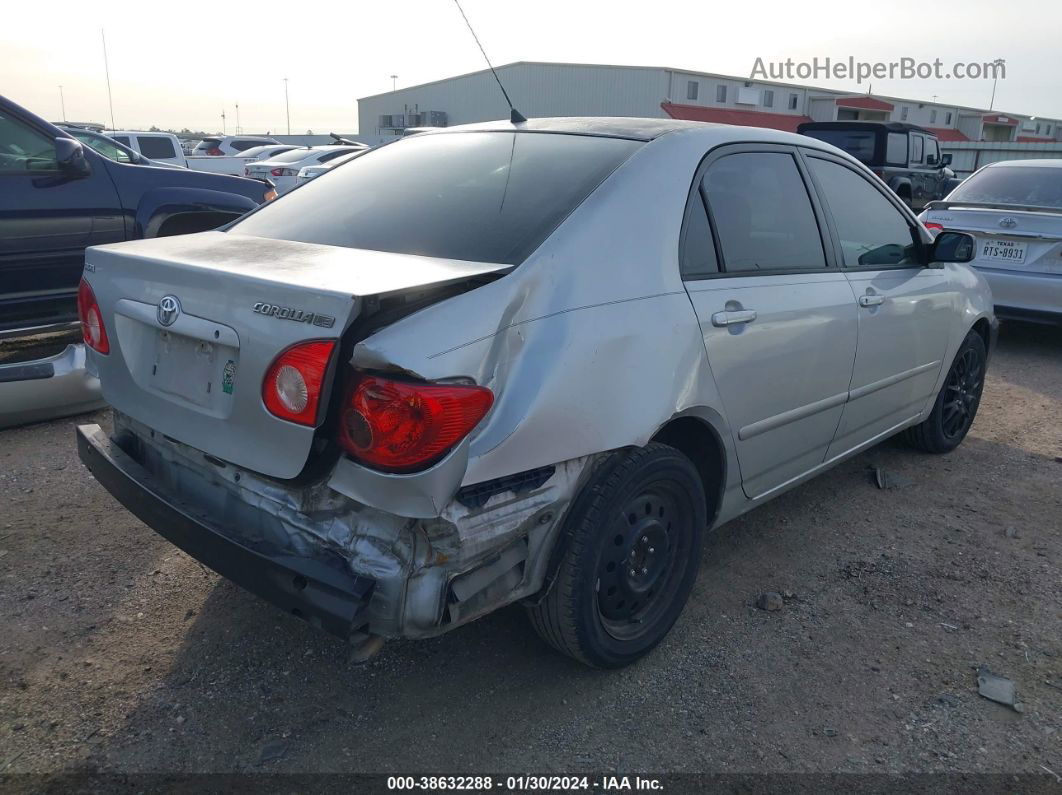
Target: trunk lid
(191, 367)
(1006, 238)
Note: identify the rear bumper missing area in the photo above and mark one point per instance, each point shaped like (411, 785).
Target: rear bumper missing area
(318, 589)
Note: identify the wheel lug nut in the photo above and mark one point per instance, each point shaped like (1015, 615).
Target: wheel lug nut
(645, 539)
(651, 550)
(644, 571)
(634, 573)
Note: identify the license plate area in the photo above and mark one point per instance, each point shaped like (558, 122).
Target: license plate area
(1002, 251)
(195, 371)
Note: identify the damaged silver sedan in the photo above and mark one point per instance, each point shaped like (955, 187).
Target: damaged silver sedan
(522, 363)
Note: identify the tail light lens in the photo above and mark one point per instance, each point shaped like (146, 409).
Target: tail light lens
(292, 386)
(283, 172)
(933, 226)
(88, 312)
(213, 151)
(401, 426)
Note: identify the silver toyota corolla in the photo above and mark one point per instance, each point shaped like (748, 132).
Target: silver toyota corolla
(530, 363)
(1013, 210)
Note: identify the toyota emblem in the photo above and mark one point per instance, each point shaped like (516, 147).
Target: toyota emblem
(169, 309)
(1008, 223)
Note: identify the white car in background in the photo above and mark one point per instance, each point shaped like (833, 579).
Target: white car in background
(162, 147)
(266, 152)
(306, 173)
(1013, 210)
(218, 145)
(283, 169)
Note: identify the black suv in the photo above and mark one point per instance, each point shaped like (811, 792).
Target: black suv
(906, 157)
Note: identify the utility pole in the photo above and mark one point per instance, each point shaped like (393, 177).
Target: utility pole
(223, 121)
(287, 105)
(394, 83)
(62, 104)
(107, 71)
(992, 102)
(237, 118)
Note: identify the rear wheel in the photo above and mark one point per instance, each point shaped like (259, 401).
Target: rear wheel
(956, 405)
(634, 545)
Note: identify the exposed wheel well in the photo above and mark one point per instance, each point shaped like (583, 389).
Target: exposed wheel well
(198, 221)
(695, 439)
(982, 328)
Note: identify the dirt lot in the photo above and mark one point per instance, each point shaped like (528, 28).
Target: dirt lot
(118, 652)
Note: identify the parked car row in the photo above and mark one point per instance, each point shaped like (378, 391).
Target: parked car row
(283, 169)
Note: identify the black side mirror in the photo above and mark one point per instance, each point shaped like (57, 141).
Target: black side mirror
(945, 159)
(70, 155)
(952, 247)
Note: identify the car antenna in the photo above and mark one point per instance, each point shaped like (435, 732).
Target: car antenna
(515, 116)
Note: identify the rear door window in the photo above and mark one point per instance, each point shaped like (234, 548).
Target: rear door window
(698, 250)
(477, 196)
(762, 213)
(156, 147)
(873, 232)
(122, 139)
(917, 148)
(896, 149)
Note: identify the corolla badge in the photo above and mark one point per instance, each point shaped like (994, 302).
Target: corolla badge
(1008, 222)
(169, 310)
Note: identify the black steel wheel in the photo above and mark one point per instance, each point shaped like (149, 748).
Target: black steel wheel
(639, 571)
(633, 542)
(956, 405)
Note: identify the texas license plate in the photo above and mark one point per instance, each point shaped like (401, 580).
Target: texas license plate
(1003, 251)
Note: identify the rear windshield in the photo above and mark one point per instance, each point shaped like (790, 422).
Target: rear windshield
(208, 143)
(858, 143)
(1032, 186)
(477, 196)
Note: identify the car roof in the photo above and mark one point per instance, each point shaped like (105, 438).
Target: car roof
(639, 129)
(1045, 163)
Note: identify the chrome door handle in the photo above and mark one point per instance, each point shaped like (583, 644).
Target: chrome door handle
(734, 318)
(871, 300)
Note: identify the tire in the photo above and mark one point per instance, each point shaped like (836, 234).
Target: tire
(634, 538)
(956, 405)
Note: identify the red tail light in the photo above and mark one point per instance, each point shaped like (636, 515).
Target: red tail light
(879, 173)
(292, 386)
(283, 172)
(214, 151)
(401, 426)
(932, 226)
(88, 311)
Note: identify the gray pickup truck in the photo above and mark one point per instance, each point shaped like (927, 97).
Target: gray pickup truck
(906, 157)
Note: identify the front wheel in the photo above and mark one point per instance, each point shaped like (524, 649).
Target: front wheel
(956, 405)
(634, 535)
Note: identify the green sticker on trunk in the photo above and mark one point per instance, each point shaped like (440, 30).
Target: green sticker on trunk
(228, 377)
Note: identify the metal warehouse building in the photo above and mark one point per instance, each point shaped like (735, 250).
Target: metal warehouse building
(561, 89)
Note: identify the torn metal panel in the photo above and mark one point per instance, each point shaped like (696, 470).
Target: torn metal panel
(412, 561)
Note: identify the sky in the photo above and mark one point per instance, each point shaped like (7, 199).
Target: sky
(177, 72)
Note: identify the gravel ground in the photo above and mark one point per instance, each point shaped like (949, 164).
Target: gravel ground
(120, 653)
